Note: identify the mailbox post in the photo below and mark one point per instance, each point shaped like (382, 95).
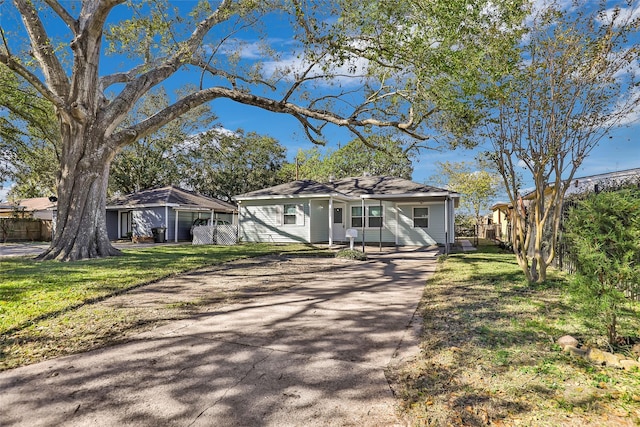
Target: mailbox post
(351, 233)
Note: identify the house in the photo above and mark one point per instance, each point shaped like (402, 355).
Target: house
(37, 208)
(500, 220)
(382, 209)
(171, 208)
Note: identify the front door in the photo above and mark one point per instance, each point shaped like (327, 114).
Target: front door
(339, 222)
(125, 223)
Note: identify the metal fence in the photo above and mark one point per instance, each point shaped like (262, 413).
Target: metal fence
(215, 235)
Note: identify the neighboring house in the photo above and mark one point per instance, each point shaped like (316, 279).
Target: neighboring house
(382, 209)
(38, 208)
(500, 220)
(172, 208)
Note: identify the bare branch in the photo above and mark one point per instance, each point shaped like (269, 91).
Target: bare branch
(185, 104)
(64, 15)
(43, 50)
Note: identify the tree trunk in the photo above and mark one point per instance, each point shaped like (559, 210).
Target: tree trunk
(81, 229)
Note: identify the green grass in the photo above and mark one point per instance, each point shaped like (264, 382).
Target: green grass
(31, 291)
(489, 352)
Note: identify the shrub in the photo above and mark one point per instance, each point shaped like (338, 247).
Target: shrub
(351, 254)
(603, 232)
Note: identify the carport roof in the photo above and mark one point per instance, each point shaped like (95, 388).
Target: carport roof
(169, 196)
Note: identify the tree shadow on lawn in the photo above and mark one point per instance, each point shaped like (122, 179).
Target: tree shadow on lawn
(486, 342)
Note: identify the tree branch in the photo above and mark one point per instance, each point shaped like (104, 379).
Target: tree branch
(51, 67)
(137, 87)
(64, 15)
(161, 118)
(32, 79)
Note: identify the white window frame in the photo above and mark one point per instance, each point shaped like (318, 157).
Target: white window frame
(414, 217)
(352, 216)
(381, 207)
(366, 216)
(281, 213)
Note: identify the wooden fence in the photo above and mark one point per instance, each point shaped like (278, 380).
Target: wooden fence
(25, 230)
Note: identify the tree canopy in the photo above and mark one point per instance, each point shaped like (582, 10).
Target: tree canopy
(381, 156)
(477, 184)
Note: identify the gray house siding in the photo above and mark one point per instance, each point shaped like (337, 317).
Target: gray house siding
(142, 221)
(418, 236)
(112, 225)
(263, 222)
(374, 234)
(319, 221)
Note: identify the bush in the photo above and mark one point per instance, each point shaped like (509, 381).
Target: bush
(351, 254)
(603, 232)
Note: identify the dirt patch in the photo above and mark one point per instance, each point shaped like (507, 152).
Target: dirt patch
(114, 320)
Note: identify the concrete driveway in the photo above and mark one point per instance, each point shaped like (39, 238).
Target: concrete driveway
(311, 355)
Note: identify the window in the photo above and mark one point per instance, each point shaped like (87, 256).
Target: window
(374, 216)
(290, 214)
(420, 217)
(356, 217)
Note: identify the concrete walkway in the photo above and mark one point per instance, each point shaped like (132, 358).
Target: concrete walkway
(312, 355)
(467, 246)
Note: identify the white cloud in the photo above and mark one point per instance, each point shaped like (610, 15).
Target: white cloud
(620, 15)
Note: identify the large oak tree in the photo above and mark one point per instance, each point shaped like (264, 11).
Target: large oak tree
(413, 62)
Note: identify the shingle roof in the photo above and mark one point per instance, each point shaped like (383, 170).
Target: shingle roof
(348, 187)
(171, 196)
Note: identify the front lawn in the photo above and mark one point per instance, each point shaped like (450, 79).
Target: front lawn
(46, 307)
(489, 355)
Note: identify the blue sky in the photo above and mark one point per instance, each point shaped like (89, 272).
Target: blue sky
(620, 151)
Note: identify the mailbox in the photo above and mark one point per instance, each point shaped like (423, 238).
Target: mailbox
(351, 233)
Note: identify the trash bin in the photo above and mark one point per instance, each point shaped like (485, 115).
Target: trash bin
(159, 234)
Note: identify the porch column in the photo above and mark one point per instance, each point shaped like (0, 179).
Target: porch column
(330, 221)
(166, 218)
(446, 225)
(364, 219)
(119, 233)
(176, 227)
(397, 225)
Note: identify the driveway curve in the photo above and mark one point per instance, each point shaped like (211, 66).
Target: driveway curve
(313, 355)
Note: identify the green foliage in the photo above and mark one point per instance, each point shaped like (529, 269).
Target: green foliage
(474, 181)
(226, 164)
(159, 159)
(351, 254)
(385, 156)
(28, 139)
(603, 232)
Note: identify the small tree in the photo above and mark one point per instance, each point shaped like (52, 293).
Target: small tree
(477, 185)
(603, 232)
(576, 82)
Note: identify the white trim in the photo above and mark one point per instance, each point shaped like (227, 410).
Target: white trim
(331, 221)
(175, 228)
(410, 195)
(298, 196)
